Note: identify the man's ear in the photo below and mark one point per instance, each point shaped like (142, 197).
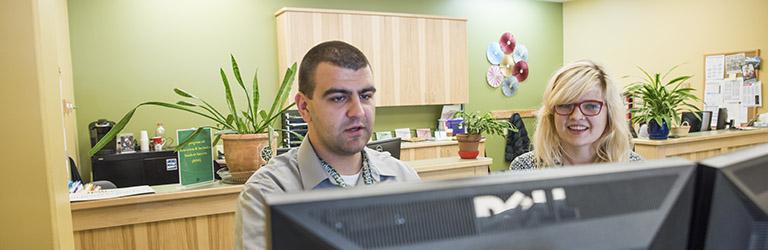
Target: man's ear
(302, 105)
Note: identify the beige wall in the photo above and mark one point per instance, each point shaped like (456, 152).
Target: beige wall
(658, 34)
(35, 212)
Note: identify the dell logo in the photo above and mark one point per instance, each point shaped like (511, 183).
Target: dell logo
(379, 148)
(488, 205)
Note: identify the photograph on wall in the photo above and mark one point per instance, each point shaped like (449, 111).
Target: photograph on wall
(734, 62)
(748, 71)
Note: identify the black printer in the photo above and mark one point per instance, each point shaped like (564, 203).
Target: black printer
(138, 168)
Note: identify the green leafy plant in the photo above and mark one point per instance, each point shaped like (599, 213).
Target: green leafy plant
(655, 99)
(251, 121)
(479, 124)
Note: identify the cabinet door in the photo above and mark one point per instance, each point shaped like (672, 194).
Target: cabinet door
(416, 60)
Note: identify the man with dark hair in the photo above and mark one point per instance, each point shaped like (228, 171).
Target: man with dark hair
(336, 99)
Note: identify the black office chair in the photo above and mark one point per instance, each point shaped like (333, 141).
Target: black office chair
(282, 150)
(74, 174)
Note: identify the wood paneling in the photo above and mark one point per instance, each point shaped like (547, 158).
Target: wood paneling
(203, 232)
(410, 151)
(506, 114)
(416, 60)
(450, 167)
(458, 71)
(170, 219)
(411, 91)
(387, 73)
(701, 145)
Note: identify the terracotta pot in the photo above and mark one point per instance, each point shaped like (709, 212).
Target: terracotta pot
(246, 153)
(468, 144)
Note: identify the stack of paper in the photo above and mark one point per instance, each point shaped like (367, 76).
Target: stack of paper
(110, 193)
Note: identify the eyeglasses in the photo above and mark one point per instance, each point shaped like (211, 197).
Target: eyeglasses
(587, 107)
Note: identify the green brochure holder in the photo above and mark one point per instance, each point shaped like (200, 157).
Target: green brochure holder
(196, 158)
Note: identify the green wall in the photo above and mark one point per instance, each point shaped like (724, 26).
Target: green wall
(128, 51)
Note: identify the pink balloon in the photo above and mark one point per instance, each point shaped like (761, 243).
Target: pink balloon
(521, 71)
(507, 43)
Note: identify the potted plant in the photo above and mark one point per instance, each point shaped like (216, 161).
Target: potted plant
(659, 103)
(475, 124)
(247, 134)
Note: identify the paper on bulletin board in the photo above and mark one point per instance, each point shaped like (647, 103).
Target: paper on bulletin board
(758, 90)
(731, 89)
(715, 67)
(712, 93)
(713, 99)
(734, 62)
(736, 112)
(714, 110)
(751, 95)
(196, 158)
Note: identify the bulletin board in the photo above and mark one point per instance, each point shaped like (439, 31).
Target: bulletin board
(731, 80)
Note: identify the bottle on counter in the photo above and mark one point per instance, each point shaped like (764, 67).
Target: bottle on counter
(160, 130)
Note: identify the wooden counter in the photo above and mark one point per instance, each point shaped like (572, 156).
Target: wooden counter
(201, 218)
(450, 167)
(410, 151)
(701, 145)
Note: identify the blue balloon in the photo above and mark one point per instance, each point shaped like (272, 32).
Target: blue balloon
(494, 53)
(520, 53)
(509, 86)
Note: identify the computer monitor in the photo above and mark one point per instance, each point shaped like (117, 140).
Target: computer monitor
(722, 118)
(732, 201)
(391, 145)
(699, 121)
(608, 206)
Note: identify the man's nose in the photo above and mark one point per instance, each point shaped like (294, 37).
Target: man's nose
(355, 108)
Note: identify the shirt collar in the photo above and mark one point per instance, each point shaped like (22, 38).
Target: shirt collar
(313, 175)
(310, 169)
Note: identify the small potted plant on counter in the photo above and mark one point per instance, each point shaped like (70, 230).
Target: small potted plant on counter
(247, 134)
(475, 125)
(659, 103)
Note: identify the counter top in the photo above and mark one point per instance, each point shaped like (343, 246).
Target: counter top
(423, 144)
(162, 193)
(699, 136)
(446, 163)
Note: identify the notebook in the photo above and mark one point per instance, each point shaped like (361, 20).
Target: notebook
(110, 193)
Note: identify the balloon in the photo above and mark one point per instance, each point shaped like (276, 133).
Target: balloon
(507, 43)
(494, 53)
(521, 70)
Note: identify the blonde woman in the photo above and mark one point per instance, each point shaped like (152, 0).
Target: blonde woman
(581, 121)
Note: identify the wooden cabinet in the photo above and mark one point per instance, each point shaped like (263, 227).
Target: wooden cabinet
(450, 167)
(416, 60)
(410, 151)
(701, 145)
(173, 218)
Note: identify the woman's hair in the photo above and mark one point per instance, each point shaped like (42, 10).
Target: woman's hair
(567, 85)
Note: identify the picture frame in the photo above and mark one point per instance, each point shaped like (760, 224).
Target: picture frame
(404, 133)
(125, 143)
(383, 135)
(425, 133)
